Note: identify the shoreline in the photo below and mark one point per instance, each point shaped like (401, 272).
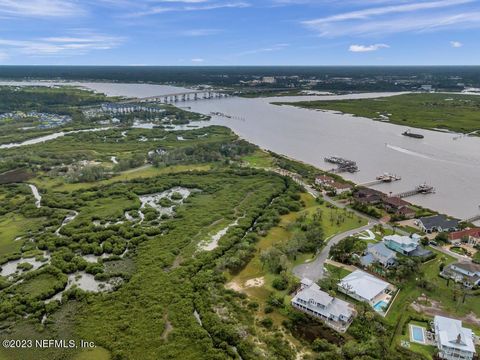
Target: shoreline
(307, 159)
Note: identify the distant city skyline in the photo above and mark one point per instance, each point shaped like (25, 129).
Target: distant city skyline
(239, 32)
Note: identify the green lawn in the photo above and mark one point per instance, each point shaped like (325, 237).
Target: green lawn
(341, 271)
(428, 111)
(426, 350)
(259, 158)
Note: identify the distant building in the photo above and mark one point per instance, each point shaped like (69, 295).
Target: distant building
(471, 236)
(379, 253)
(454, 342)
(426, 88)
(466, 273)
(269, 80)
(365, 287)
(438, 223)
(335, 313)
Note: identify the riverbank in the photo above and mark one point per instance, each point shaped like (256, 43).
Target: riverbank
(432, 111)
(452, 167)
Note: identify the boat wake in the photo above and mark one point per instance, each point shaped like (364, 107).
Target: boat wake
(409, 152)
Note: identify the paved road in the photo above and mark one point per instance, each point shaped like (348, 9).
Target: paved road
(313, 270)
(459, 257)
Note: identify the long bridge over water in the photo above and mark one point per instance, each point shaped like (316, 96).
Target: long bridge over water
(205, 94)
(182, 96)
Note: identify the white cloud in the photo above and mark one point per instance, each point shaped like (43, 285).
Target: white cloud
(411, 16)
(200, 32)
(197, 60)
(456, 44)
(275, 47)
(367, 48)
(62, 46)
(39, 8)
(186, 6)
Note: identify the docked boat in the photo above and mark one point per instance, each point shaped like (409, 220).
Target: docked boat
(413, 135)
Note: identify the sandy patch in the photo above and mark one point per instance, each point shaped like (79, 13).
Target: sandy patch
(432, 307)
(234, 286)
(256, 282)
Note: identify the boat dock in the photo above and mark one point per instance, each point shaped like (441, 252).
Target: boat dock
(384, 178)
(220, 114)
(343, 165)
(420, 189)
(473, 219)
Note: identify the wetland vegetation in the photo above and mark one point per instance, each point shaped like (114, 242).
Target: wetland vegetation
(444, 111)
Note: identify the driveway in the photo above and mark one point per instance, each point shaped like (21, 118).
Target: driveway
(313, 270)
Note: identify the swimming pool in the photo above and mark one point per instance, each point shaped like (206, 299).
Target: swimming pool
(380, 306)
(417, 334)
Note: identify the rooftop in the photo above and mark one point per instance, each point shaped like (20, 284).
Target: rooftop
(404, 241)
(441, 221)
(450, 333)
(457, 235)
(468, 266)
(313, 295)
(363, 284)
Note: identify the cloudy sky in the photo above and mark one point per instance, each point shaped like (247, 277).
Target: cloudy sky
(240, 32)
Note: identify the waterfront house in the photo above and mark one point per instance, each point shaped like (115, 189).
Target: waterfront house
(378, 253)
(437, 223)
(335, 313)
(368, 196)
(470, 236)
(330, 183)
(324, 180)
(394, 203)
(454, 342)
(340, 188)
(406, 212)
(364, 287)
(467, 273)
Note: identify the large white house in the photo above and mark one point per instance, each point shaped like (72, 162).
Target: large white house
(336, 313)
(362, 286)
(454, 342)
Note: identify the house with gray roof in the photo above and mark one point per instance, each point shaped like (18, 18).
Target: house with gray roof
(453, 340)
(466, 273)
(334, 312)
(378, 253)
(438, 223)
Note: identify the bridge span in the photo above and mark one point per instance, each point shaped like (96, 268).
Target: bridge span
(181, 96)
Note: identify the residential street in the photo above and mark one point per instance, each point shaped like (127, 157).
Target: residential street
(313, 270)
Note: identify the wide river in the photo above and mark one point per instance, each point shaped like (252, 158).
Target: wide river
(451, 166)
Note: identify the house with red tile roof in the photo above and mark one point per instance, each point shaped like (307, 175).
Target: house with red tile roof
(471, 235)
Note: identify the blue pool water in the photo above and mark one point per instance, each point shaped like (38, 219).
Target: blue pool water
(380, 306)
(417, 334)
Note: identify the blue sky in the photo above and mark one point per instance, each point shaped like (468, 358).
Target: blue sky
(240, 32)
